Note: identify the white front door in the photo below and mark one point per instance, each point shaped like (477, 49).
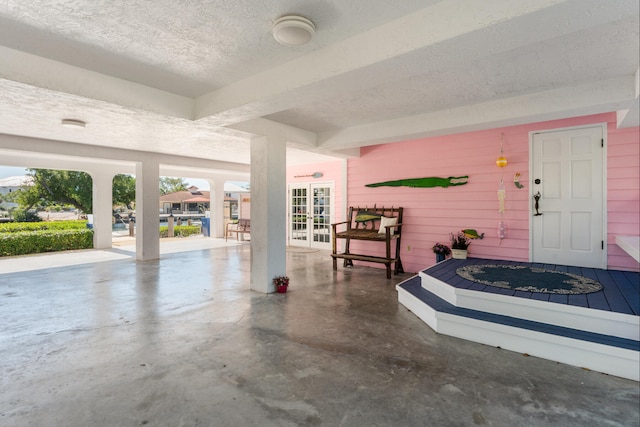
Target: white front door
(310, 214)
(567, 191)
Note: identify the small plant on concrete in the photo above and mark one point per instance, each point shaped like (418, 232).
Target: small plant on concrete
(281, 283)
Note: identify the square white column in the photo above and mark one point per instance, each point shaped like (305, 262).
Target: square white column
(147, 210)
(268, 212)
(102, 207)
(216, 203)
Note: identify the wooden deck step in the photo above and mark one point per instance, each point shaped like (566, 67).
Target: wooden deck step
(591, 318)
(599, 352)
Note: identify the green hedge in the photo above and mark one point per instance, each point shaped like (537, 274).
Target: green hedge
(14, 227)
(31, 242)
(180, 230)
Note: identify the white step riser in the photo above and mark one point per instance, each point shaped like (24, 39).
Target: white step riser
(597, 321)
(424, 312)
(597, 357)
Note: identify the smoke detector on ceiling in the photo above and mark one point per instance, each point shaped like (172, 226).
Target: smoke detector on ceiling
(293, 30)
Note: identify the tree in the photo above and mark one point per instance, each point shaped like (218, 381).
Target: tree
(57, 187)
(51, 187)
(171, 185)
(124, 190)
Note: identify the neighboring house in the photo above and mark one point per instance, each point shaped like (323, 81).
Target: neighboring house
(11, 184)
(196, 201)
(190, 201)
(237, 202)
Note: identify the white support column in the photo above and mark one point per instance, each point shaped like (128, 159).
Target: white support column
(217, 207)
(102, 206)
(268, 212)
(147, 213)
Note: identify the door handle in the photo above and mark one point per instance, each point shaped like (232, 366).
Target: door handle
(537, 197)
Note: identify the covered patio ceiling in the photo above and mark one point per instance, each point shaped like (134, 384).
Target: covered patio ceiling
(200, 79)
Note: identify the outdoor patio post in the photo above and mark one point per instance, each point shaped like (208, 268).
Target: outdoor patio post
(147, 214)
(268, 212)
(217, 207)
(170, 225)
(102, 210)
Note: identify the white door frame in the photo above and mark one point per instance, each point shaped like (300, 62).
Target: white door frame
(310, 204)
(603, 126)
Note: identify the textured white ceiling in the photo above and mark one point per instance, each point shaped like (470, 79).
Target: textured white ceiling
(192, 76)
(184, 47)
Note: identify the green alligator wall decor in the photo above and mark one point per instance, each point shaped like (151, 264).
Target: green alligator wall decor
(423, 182)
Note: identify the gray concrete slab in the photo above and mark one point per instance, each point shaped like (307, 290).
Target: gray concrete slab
(183, 342)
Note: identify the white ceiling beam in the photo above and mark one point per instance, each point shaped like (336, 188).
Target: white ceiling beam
(33, 160)
(59, 149)
(330, 71)
(200, 172)
(265, 127)
(297, 139)
(631, 117)
(60, 77)
(578, 100)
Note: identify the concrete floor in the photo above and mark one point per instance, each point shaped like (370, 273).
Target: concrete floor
(184, 342)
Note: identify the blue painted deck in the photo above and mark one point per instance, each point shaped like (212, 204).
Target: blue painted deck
(414, 287)
(620, 293)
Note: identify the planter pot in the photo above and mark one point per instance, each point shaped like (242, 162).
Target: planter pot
(459, 253)
(281, 289)
(440, 257)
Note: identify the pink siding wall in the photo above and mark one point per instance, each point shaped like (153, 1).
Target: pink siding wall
(623, 195)
(432, 213)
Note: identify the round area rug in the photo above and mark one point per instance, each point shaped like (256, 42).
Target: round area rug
(529, 279)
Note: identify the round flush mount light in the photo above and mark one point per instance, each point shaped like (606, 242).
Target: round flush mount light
(73, 123)
(293, 30)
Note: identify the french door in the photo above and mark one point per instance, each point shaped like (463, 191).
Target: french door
(568, 208)
(310, 214)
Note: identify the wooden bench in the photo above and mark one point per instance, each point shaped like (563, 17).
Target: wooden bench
(364, 224)
(242, 227)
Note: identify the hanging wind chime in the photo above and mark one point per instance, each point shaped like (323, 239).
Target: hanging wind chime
(501, 162)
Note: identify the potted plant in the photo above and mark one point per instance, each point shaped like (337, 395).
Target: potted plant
(281, 283)
(459, 245)
(442, 251)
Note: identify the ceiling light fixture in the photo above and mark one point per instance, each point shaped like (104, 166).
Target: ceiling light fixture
(293, 30)
(73, 123)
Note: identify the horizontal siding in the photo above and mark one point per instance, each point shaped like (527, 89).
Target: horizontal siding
(432, 213)
(623, 193)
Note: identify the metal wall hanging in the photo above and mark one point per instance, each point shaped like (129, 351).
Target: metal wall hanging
(502, 192)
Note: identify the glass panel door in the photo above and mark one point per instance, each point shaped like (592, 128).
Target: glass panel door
(310, 215)
(322, 208)
(298, 202)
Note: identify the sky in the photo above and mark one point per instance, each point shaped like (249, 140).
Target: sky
(6, 171)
